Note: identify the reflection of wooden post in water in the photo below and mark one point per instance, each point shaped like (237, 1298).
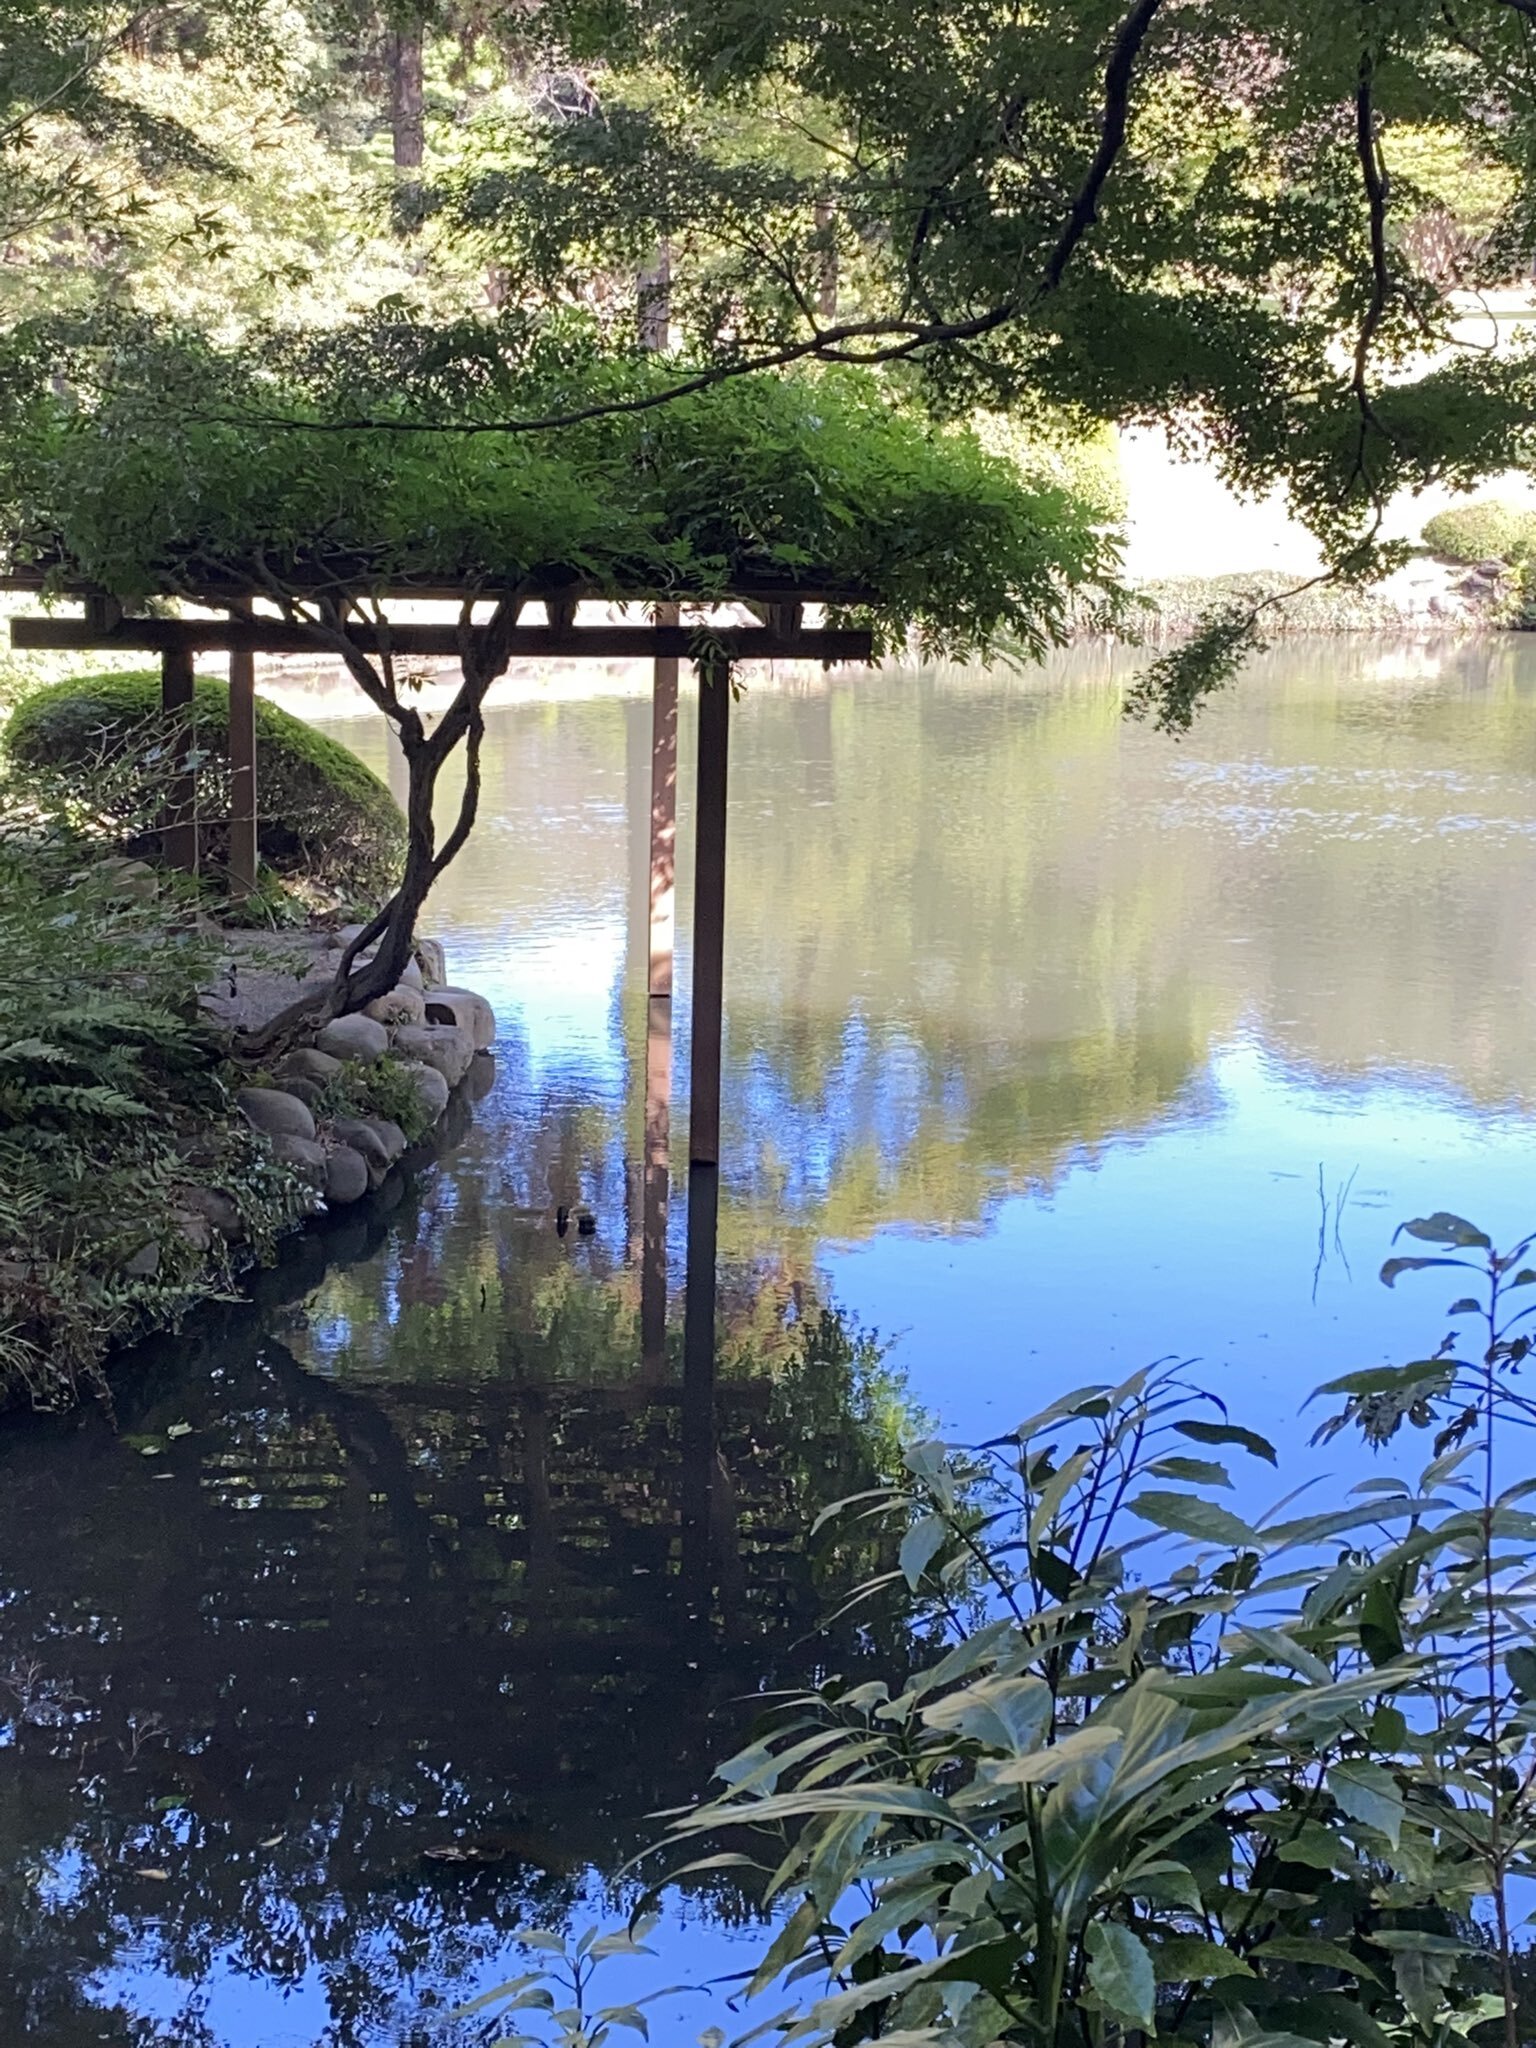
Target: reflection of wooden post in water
(704, 1109)
(699, 1377)
(655, 1189)
(663, 815)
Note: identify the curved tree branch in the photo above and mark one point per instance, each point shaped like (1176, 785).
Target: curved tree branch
(888, 340)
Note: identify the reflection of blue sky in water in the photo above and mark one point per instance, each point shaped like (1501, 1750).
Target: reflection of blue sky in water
(1202, 1242)
(242, 2012)
(1038, 1033)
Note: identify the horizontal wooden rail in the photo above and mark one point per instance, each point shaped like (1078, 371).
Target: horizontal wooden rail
(527, 643)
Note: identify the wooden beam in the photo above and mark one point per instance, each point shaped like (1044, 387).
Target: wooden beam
(178, 827)
(242, 773)
(527, 643)
(709, 911)
(814, 586)
(663, 887)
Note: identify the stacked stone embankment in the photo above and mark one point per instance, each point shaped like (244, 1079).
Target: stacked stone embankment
(431, 1032)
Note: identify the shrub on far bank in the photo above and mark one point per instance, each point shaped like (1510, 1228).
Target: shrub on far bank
(94, 750)
(1487, 530)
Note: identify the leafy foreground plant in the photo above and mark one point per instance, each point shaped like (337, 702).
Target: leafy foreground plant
(1255, 1791)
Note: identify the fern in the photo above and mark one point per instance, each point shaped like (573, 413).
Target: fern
(106, 1073)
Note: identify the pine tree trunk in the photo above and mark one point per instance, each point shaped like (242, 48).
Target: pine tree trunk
(406, 96)
(654, 308)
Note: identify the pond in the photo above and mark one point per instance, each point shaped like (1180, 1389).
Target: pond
(1051, 1048)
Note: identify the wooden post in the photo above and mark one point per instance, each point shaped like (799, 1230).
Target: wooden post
(709, 911)
(242, 772)
(655, 1189)
(663, 813)
(178, 830)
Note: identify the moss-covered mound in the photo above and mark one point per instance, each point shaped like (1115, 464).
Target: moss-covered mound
(323, 815)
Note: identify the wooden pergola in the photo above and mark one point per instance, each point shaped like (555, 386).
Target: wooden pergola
(234, 624)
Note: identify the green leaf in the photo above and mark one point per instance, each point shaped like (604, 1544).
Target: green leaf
(787, 1945)
(1121, 1974)
(1521, 1666)
(1370, 1795)
(1444, 1228)
(1191, 1959)
(1196, 1471)
(1165, 1883)
(1394, 1267)
(1381, 1627)
(1421, 1976)
(1327, 1955)
(1229, 1433)
(1008, 1714)
(919, 1546)
(1185, 1514)
(1312, 1844)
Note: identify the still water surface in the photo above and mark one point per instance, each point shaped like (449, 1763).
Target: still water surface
(1051, 1048)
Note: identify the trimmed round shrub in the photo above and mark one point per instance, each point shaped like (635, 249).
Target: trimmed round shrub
(1488, 530)
(100, 747)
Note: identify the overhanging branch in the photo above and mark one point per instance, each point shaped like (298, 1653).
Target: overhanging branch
(863, 343)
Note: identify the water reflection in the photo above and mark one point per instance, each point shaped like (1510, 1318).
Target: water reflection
(370, 1637)
(1037, 1033)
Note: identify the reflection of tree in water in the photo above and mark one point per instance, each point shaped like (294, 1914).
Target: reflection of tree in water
(349, 1618)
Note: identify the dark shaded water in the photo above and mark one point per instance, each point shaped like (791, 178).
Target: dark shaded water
(1051, 1048)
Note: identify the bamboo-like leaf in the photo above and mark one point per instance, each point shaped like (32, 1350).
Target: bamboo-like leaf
(1007, 1714)
(1185, 1514)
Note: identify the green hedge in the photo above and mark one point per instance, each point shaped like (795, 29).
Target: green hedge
(1489, 530)
(323, 815)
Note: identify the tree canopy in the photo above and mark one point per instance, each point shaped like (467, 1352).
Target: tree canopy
(1268, 227)
(264, 485)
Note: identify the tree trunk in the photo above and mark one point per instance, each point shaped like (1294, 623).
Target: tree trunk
(827, 279)
(392, 932)
(406, 95)
(653, 310)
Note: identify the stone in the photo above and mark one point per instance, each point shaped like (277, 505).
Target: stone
(305, 1156)
(346, 1175)
(403, 1005)
(307, 1092)
(434, 962)
(471, 1012)
(358, 1135)
(354, 1038)
(308, 1063)
(131, 881)
(431, 1087)
(375, 1139)
(481, 1078)
(144, 1264)
(194, 1228)
(410, 975)
(277, 1113)
(448, 1047)
(221, 1211)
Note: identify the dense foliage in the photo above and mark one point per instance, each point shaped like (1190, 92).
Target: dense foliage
(92, 753)
(170, 466)
(114, 1115)
(1267, 1782)
(1488, 530)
